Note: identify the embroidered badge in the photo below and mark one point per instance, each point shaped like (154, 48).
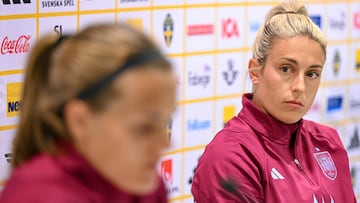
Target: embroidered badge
(326, 164)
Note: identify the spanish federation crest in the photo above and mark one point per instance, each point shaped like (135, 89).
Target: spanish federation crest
(326, 164)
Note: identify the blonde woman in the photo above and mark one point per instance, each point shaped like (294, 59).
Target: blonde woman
(92, 125)
(268, 153)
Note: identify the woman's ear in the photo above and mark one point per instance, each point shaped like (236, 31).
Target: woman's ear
(76, 115)
(254, 70)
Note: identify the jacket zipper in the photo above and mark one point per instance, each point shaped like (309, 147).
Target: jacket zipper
(297, 163)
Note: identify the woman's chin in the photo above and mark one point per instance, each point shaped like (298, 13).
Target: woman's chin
(141, 186)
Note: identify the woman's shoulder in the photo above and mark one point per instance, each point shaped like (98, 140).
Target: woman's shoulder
(38, 180)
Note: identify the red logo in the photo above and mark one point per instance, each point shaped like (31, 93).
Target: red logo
(19, 45)
(204, 29)
(326, 164)
(166, 171)
(229, 28)
(357, 20)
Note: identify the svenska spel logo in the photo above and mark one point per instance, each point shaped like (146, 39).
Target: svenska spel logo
(13, 95)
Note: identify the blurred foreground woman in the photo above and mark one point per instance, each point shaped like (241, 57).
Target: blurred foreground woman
(92, 124)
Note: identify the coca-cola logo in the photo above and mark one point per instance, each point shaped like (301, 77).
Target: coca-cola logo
(19, 45)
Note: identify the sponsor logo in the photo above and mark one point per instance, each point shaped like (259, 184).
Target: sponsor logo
(58, 30)
(276, 175)
(169, 129)
(168, 27)
(228, 113)
(15, 46)
(135, 22)
(254, 26)
(8, 157)
(354, 104)
(191, 178)
(334, 103)
(336, 62)
(196, 79)
(326, 164)
(195, 124)
(230, 74)
(338, 24)
(316, 19)
(7, 2)
(357, 60)
(357, 20)
(202, 29)
(166, 171)
(229, 28)
(354, 141)
(167, 175)
(13, 98)
(57, 3)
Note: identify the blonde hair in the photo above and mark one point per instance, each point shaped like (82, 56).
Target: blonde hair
(286, 20)
(57, 72)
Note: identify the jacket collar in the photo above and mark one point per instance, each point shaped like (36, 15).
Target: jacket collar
(264, 124)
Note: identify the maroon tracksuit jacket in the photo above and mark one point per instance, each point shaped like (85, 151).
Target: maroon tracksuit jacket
(256, 158)
(68, 178)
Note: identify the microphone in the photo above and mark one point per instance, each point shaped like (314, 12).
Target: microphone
(230, 186)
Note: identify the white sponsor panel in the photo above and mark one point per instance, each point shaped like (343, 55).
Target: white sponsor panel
(96, 4)
(6, 137)
(15, 42)
(255, 19)
(231, 73)
(317, 14)
(336, 65)
(87, 20)
(355, 174)
(133, 3)
(334, 103)
(352, 139)
(200, 29)
(175, 131)
(169, 31)
(354, 101)
(189, 200)
(230, 28)
(199, 76)
(138, 19)
(10, 95)
(11, 7)
(170, 171)
(167, 2)
(337, 24)
(355, 20)
(191, 161)
(226, 109)
(354, 62)
(198, 123)
(46, 6)
(61, 25)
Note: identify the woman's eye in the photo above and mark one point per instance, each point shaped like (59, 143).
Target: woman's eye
(285, 69)
(313, 74)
